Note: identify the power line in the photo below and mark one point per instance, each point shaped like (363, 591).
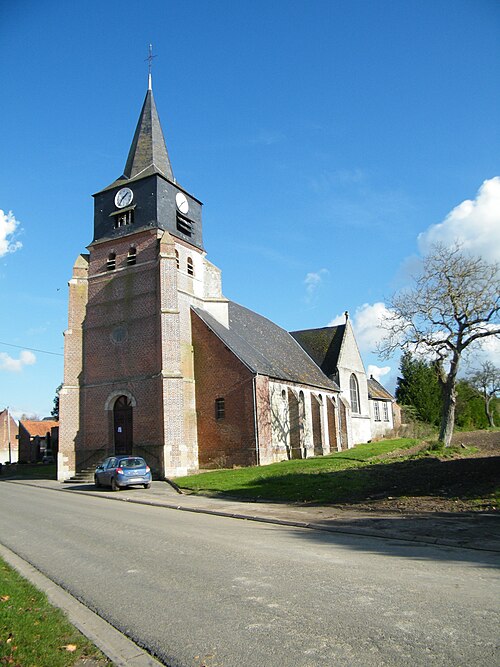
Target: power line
(32, 349)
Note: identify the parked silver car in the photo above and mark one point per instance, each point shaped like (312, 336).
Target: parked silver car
(121, 471)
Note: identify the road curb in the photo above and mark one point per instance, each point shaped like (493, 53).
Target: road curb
(360, 531)
(121, 650)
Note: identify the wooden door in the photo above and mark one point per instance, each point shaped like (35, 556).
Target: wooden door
(122, 413)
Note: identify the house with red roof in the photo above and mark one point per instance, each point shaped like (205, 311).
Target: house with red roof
(36, 437)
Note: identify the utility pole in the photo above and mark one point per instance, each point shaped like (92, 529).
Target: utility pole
(8, 435)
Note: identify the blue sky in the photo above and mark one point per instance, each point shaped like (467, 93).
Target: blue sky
(328, 141)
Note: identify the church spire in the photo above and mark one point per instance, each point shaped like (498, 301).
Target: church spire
(150, 61)
(148, 150)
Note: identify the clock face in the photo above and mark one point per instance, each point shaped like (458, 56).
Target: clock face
(182, 203)
(124, 197)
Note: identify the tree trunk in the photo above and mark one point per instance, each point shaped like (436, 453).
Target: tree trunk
(449, 402)
(489, 413)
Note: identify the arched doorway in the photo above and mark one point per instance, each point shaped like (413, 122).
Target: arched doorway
(122, 425)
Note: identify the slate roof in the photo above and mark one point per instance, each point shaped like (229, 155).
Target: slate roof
(148, 145)
(148, 153)
(265, 348)
(376, 391)
(322, 345)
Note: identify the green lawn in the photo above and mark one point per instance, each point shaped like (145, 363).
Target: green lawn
(35, 634)
(320, 479)
(29, 471)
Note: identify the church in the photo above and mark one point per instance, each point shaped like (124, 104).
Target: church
(159, 363)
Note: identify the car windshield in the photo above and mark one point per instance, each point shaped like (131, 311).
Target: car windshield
(132, 463)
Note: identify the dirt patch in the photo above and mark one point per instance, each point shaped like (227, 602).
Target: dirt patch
(434, 484)
(488, 442)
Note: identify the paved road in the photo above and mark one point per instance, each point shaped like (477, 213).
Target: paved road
(204, 590)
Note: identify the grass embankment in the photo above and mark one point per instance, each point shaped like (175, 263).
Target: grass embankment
(366, 473)
(35, 634)
(329, 478)
(29, 471)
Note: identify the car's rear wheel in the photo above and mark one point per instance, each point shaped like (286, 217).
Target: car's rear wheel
(114, 485)
(147, 486)
(96, 481)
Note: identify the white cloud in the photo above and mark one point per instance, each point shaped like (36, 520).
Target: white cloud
(366, 324)
(378, 371)
(313, 280)
(8, 363)
(8, 225)
(484, 349)
(473, 223)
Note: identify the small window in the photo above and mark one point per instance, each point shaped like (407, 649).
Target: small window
(190, 267)
(220, 408)
(377, 411)
(184, 225)
(124, 218)
(283, 394)
(132, 256)
(386, 411)
(177, 258)
(354, 389)
(111, 263)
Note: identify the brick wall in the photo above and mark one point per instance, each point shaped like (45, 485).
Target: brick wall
(70, 430)
(7, 424)
(122, 350)
(219, 374)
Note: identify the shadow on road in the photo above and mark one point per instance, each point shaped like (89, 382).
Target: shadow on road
(90, 486)
(469, 536)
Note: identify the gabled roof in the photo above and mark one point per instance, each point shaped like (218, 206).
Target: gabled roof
(377, 392)
(40, 428)
(322, 345)
(265, 348)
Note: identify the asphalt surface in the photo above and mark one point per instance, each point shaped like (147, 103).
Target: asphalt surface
(208, 590)
(470, 530)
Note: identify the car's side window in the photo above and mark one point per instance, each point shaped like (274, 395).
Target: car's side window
(111, 463)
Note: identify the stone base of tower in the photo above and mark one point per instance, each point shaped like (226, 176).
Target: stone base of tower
(180, 451)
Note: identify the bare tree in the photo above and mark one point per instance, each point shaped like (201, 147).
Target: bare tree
(487, 382)
(455, 302)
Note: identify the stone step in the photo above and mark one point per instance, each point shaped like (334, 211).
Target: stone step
(85, 475)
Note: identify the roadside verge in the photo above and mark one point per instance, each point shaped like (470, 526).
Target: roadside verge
(116, 646)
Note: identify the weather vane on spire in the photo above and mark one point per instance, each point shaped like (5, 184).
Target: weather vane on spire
(150, 60)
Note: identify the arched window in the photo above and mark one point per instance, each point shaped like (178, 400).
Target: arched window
(177, 258)
(111, 263)
(132, 256)
(190, 267)
(353, 385)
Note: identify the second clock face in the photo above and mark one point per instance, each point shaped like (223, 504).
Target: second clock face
(182, 203)
(123, 197)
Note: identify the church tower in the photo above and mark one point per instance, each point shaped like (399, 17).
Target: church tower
(129, 385)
